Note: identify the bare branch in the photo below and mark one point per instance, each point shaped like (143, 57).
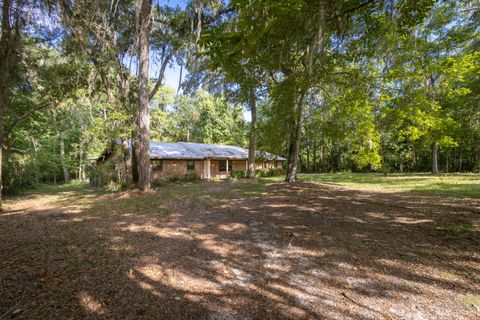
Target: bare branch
(162, 73)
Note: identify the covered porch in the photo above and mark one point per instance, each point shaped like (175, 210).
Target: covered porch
(217, 168)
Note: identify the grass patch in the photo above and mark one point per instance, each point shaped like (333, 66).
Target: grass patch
(472, 300)
(459, 230)
(452, 185)
(136, 204)
(449, 276)
(53, 189)
(252, 189)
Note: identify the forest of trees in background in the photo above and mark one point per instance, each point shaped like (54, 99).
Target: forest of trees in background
(388, 86)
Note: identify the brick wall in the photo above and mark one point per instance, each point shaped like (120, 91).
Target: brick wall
(239, 165)
(176, 168)
(115, 169)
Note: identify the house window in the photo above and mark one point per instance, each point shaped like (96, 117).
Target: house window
(190, 165)
(156, 164)
(230, 166)
(222, 165)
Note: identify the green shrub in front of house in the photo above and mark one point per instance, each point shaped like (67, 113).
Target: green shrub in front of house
(259, 173)
(269, 172)
(238, 174)
(190, 177)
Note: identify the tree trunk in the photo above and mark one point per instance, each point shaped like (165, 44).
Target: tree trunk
(477, 158)
(446, 162)
(293, 150)
(252, 101)
(460, 162)
(322, 166)
(315, 155)
(143, 93)
(435, 158)
(332, 158)
(81, 171)
(414, 158)
(294, 145)
(1, 155)
(6, 52)
(2, 106)
(66, 175)
(384, 164)
(134, 158)
(34, 159)
(307, 169)
(180, 79)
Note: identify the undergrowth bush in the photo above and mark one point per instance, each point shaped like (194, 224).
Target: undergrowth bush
(238, 174)
(190, 177)
(269, 172)
(116, 186)
(157, 183)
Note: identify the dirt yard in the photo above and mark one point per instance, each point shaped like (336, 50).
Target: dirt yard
(239, 250)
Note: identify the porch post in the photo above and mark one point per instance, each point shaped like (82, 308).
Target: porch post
(206, 169)
(227, 168)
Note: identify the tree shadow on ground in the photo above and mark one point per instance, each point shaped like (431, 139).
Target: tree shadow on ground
(223, 251)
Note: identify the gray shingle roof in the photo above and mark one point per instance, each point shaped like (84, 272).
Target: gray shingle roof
(190, 150)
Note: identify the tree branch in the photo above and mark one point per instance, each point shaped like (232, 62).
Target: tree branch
(162, 73)
(221, 11)
(26, 115)
(361, 5)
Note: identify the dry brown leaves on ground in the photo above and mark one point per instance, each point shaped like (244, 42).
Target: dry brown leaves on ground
(239, 251)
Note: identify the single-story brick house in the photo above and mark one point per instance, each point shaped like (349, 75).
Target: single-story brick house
(182, 159)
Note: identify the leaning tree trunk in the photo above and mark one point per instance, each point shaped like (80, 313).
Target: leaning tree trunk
(143, 92)
(435, 158)
(316, 44)
(253, 135)
(293, 151)
(294, 145)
